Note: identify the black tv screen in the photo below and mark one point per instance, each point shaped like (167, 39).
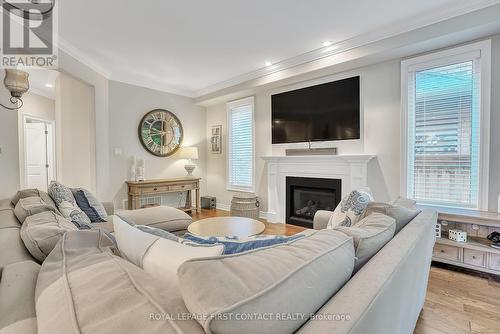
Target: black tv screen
(328, 111)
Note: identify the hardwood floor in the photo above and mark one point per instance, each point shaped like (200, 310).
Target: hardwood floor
(456, 302)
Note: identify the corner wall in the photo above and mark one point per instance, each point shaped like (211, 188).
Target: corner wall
(127, 105)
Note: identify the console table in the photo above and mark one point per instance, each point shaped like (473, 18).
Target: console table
(139, 189)
(476, 253)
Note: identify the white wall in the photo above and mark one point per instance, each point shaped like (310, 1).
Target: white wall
(9, 155)
(380, 111)
(75, 133)
(127, 105)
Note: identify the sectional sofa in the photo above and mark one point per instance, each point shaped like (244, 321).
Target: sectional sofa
(85, 286)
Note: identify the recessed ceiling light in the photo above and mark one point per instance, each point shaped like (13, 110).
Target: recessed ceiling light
(268, 63)
(327, 43)
(49, 85)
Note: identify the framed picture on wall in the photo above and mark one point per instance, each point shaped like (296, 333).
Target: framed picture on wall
(216, 139)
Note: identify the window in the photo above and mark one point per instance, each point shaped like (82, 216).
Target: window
(446, 123)
(240, 159)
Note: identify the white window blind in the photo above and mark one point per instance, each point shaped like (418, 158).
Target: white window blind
(241, 145)
(443, 154)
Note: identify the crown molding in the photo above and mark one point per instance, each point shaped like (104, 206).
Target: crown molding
(352, 43)
(150, 84)
(79, 55)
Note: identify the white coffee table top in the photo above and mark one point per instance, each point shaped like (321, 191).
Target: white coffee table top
(226, 226)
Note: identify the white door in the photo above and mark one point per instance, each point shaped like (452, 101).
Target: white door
(36, 154)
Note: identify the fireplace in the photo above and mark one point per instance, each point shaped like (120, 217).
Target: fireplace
(305, 196)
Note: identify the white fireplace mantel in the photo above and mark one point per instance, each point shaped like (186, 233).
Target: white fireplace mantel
(350, 169)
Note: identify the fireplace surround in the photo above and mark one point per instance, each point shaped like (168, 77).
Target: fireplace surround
(306, 195)
(351, 169)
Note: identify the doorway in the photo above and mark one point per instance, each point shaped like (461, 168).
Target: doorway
(39, 153)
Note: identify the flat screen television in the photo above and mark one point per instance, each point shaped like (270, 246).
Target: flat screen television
(323, 112)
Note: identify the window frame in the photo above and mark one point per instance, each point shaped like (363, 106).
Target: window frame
(229, 107)
(467, 52)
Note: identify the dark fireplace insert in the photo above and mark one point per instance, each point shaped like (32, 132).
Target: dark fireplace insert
(306, 195)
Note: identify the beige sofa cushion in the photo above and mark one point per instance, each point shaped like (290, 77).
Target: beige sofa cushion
(157, 255)
(8, 219)
(370, 235)
(162, 217)
(295, 278)
(23, 193)
(41, 232)
(33, 193)
(28, 206)
(12, 249)
(17, 298)
(402, 214)
(83, 288)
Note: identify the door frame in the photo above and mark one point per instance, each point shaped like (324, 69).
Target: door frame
(23, 167)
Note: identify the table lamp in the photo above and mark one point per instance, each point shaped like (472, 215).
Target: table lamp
(190, 153)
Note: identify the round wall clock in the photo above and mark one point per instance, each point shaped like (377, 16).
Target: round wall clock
(160, 132)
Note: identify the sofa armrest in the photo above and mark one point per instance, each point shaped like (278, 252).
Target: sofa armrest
(109, 207)
(321, 219)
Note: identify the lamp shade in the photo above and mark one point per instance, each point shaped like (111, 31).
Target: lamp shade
(189, 152)
(16, 81)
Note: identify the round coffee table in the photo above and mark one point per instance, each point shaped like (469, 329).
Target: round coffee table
(226, 226)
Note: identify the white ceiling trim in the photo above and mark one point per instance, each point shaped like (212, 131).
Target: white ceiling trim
(79, 55)
(151, 84)
(340, 47)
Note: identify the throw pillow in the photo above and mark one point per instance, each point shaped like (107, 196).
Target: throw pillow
(369, 236)
(29, 206)
(90, 205)
(23, 193)
(159, 256)
(41, 232)
(405, 202)
(234, 245)
(66, 204)
(350, 209)
(401, 214)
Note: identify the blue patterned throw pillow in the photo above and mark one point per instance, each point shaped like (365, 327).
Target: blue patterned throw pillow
(351, 208)
(66, 203)
(90, 205)
(234, 245)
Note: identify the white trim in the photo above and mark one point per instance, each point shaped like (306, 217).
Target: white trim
(480, 49)
(151, 84)
(80, 56)
(229, 106)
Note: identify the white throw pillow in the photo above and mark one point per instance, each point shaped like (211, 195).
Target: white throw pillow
(160, 257)
(350, 209)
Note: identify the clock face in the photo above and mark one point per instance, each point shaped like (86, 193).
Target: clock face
(160, 132)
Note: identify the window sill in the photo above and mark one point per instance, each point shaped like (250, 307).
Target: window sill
(241, 190)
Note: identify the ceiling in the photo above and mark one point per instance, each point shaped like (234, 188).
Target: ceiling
(42, 81)
(188, 46)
